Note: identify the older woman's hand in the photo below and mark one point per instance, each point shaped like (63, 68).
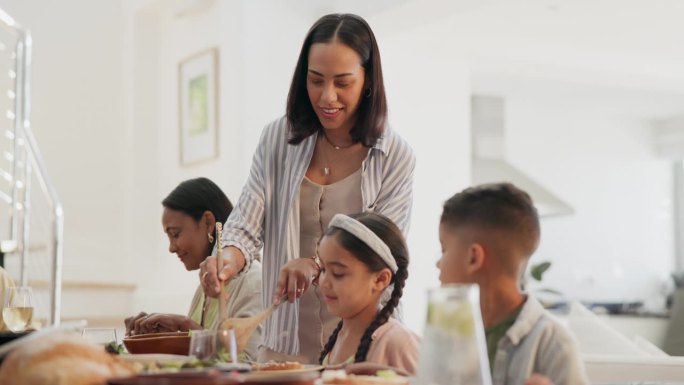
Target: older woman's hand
(295, 278)
(160, 323)
(211, 279)
(130, 322)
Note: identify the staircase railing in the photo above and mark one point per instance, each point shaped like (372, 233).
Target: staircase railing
(27, 160)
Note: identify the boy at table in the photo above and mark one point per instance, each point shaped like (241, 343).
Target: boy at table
(488, 234)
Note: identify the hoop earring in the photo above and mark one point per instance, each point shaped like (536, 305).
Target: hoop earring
(211, 238)
(368, 92)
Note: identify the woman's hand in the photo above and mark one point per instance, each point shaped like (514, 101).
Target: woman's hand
(130, 322)
(159, 323)
(295, 278)
(211, 279)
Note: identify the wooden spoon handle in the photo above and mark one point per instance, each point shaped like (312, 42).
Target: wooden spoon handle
(219, 264)
(268, 311)
(265, 314)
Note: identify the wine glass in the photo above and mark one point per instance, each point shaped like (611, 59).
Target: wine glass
(220, 345)
(100, 336)
(17, 311)
(203, 344)
(227, 354)
(227, 345)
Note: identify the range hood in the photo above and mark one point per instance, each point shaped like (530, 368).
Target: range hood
(489, 164)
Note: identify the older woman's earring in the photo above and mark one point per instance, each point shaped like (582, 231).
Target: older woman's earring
(211, 238)
(368, 92)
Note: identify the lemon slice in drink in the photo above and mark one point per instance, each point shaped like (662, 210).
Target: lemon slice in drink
(453, 319)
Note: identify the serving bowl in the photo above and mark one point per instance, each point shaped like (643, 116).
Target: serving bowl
(161, 343)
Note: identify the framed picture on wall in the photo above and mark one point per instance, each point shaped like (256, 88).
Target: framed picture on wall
(198, 107)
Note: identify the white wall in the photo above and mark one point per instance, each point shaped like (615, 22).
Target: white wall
(77, 111)
(77, 119)
(600, 159)
(581, 100)
(436, 122)
(252, 93)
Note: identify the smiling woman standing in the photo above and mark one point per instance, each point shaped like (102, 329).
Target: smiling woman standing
(332, 153)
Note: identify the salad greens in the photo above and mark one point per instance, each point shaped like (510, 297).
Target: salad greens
(114, 348)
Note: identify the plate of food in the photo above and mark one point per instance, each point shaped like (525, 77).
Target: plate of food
(149, 364)
(382, 377)
(183, 378)
(158, 358)
(241, 367)
(286, 367)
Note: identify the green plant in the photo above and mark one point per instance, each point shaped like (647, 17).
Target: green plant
(537, 271)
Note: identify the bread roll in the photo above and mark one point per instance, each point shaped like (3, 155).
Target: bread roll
(61, 359)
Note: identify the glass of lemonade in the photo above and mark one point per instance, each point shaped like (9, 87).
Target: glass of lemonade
(17, 311)
(453, 350)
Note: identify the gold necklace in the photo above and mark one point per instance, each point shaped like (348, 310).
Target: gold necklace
(336, 147)
(326, 169)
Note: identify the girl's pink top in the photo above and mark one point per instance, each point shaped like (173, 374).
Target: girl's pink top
(396, 346)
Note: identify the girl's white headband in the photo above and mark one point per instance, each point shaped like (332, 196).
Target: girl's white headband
(360, 231)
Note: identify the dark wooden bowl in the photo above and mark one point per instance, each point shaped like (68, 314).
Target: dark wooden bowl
(164, 343)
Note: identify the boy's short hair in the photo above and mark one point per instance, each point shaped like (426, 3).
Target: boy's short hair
(498, 210)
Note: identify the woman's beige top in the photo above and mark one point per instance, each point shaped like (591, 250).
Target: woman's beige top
(244, 300)
(265, 219)
(317, 205)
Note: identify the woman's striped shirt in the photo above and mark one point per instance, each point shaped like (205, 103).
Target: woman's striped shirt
(267, 212)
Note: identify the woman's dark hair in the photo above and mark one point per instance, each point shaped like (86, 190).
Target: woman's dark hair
(354, 32)
(386, 230)
(195, 196)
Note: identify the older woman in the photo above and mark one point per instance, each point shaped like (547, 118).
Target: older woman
(189, 220)
(332, 153)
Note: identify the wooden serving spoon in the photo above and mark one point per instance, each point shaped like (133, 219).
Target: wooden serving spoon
(245, 327)
(219, 262)
(242, 327)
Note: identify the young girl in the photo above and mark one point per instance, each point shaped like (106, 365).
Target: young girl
(361, 255)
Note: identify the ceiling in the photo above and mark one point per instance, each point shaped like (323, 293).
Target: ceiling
(625, 43)
(625, 55)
